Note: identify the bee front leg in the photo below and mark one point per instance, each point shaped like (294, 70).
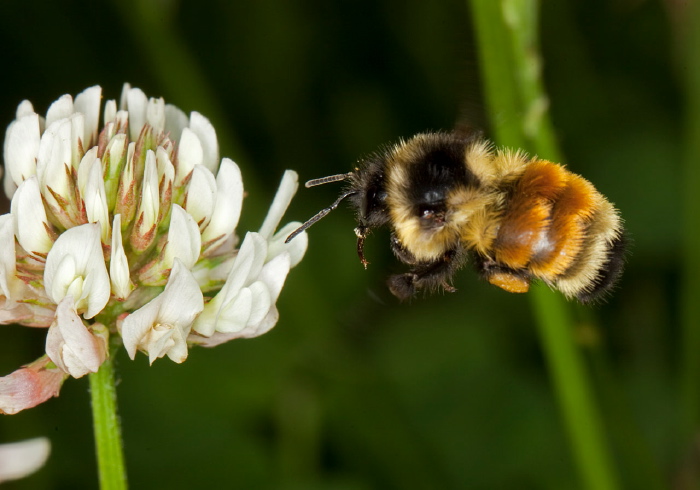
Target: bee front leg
(401, 252)
(424, 274)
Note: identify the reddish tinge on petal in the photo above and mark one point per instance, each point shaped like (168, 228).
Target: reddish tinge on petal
(29, 386)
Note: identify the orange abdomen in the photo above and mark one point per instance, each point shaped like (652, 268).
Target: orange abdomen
(544, 225)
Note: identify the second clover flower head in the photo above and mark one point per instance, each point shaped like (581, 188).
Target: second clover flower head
(128, 228)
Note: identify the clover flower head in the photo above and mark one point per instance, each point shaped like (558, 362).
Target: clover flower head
(123, 224)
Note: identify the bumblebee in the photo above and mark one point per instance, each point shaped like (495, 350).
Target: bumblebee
(448, 197)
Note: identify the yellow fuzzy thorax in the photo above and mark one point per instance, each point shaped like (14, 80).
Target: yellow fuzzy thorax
(425, 245)
(472, 217)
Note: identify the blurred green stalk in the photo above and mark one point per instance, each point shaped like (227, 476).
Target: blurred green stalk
(690, 294)
(506, 32)
(108, 440)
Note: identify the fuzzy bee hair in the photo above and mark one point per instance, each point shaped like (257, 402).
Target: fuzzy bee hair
(450, 197)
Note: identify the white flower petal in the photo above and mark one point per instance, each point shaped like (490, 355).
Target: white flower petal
(96, 206)
(135, 327)
(201, 195)
(24, 108)
(110, 111)
(29, 218)
(285, 192)
(274, 273)
(126, 176)
(263, 327)
(96, 288)
(119, 265)
(175, 121)
(246, 268)
(234, 315)
(71, 346)
(71, 284)
(10, 286)
(189, 155)
(88, 102)
(161, 339)
(174, 309)
(20, 459)
(178, 352)
(216, 338)
(166, 172)
(123, 105)
(60, 109)
(205, 323)
(114, 160)
(184, 240)
(296, 248)
(20, 151)
(8, 266)
(210, 276)
(78, 250)
(206, 133)
(84, 168)
(77, 132)
(136, 102)
(261, 302)
(247, 265)
(182, 299)
(155, 114)
(121, 119)
(55, 154)
(227, 209)
(150, 197)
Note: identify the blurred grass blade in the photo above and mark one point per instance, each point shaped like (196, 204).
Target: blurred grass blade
(506, 31)
(690, 306)
(175, 67)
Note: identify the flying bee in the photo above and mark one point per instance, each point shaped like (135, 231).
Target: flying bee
(447, 197)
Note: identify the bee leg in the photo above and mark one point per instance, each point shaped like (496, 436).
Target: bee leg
(403, 286)
(426, 274)
(361, 233)
(400, 251)
(511, 280)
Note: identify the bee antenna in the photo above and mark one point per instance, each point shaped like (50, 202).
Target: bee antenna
(327, 180)
(322, 214)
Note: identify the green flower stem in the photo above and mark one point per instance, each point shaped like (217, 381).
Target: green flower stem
(108, 442)
(506, 32)
(575, 397)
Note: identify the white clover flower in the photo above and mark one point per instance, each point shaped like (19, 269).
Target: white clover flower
(73, 347)
(129, 229)
(162, 325)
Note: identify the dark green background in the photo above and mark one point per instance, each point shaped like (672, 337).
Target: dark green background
(352, 390)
